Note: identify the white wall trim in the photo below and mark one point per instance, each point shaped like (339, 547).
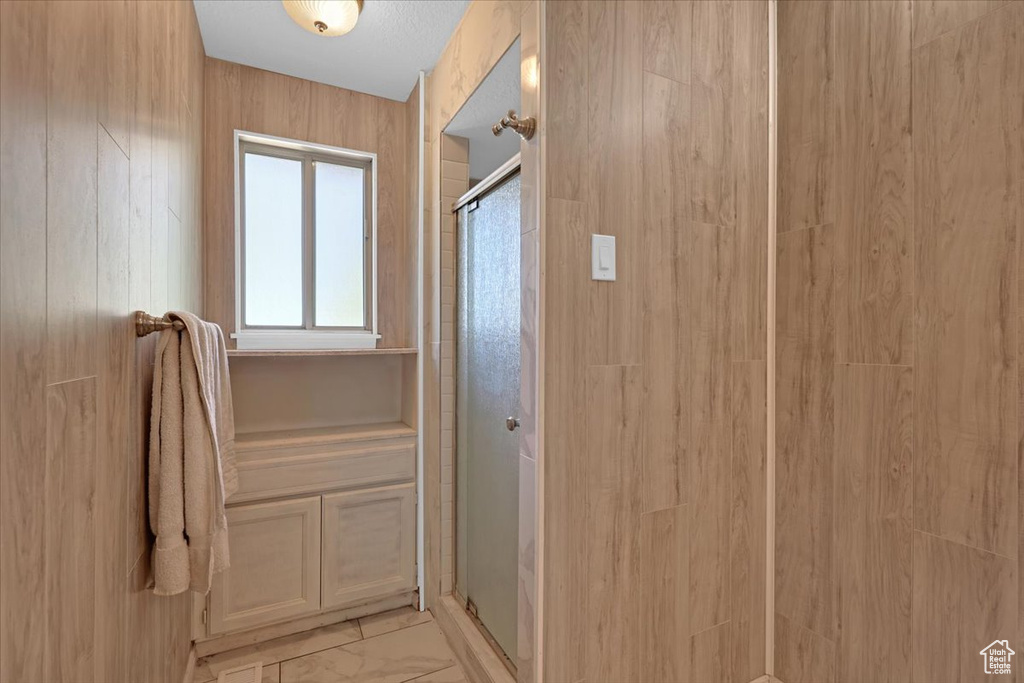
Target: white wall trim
(420, 493)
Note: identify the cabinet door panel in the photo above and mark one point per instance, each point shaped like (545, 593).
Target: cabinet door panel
(369, 544)
(275, 565)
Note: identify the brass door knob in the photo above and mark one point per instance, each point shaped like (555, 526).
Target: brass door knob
(511, 423)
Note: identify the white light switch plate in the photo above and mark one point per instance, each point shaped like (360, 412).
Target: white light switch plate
(602, 257)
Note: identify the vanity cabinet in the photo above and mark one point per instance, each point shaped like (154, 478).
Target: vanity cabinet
(323, 519)
(275, 565)
(369, 543)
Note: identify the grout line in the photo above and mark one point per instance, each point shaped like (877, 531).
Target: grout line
(711, 628)
(453, 665)
(876, 365)
(962, 25)
(770, 312)
(795, 624)
(962, 544)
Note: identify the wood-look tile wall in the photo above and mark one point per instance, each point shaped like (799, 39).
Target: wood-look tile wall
(243, 98)
(654, 388)
(901, 206)
(487, 29)
(100, 157)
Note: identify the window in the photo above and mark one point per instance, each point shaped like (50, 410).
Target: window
(305, 245)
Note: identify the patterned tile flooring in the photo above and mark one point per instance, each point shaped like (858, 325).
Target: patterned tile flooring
(394, 647)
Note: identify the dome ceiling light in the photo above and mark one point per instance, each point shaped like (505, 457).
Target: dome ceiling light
(324, 17)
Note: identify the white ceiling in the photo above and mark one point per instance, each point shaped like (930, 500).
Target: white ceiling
(382, 55)
(498, 93)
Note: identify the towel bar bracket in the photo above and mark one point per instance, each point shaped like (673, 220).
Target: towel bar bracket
(146, 324)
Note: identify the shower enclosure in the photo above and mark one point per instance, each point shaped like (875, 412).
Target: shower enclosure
(487, 400)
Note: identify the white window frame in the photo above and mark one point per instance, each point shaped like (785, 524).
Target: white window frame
(317, 339)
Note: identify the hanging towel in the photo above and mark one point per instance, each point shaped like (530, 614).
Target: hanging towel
(191, 457)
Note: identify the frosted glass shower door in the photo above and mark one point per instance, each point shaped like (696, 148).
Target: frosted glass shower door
(487, 393)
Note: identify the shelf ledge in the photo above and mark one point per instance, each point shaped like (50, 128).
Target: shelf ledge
(266, 353)
(255, 441)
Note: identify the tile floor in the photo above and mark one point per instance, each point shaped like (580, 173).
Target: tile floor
(393, 647)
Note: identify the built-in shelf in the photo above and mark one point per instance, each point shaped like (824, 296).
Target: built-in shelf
(322, 435)
(260, 353)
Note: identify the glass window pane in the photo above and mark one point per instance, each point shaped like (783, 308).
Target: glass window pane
(273, 241)
(340, 245)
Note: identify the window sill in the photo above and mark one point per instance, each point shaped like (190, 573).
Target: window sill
(302, 340)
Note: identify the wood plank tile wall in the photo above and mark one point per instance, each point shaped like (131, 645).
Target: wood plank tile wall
(655, 384)
(243, 98)
(101, 112)
(899, 356)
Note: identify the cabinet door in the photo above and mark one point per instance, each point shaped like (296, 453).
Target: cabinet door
(275, 565)
(369, 544)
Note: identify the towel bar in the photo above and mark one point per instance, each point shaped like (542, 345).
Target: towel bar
(148, 324)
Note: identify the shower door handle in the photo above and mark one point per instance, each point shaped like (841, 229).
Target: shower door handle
(511, 423)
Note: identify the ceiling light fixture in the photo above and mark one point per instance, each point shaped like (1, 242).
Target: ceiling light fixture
(324, 17)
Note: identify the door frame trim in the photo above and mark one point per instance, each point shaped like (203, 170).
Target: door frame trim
(496, 178)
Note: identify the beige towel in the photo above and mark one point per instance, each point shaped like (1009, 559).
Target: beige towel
(192, 462)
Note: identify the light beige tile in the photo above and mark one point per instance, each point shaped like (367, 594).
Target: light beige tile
(271, 674)
(279, 649)
(455, 170)
(393, 620)
(452, 674)
(389, 658)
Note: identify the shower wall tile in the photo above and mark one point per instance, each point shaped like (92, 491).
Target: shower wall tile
(614, 192)
(873, 521)
(926, 183)
(657, 134)
(748, 542)
(710, 652)
(666, 334)
(806, 114)
(71, 196)
(804, 360)
(666, 153)
(665, 594)
(568, 121)
(115, 354)
(664, 313)
(23, 352)
(873, 197)
(961, 597)
(84, 98)
(667, 38)
(565, 460)
(712, 164)
(710, 276)
(968, 160)
(527, 582)
(749, 111)
(70, 538)
(613, 396)
(802, 656)
(933, 18)
(529, 275)
(454, 150)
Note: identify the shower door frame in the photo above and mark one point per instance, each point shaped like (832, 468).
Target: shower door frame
(497, 178)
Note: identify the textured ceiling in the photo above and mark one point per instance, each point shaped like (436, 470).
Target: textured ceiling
(498, 93)
(382, 55)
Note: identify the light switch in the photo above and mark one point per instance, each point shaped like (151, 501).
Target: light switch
(602, 257)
